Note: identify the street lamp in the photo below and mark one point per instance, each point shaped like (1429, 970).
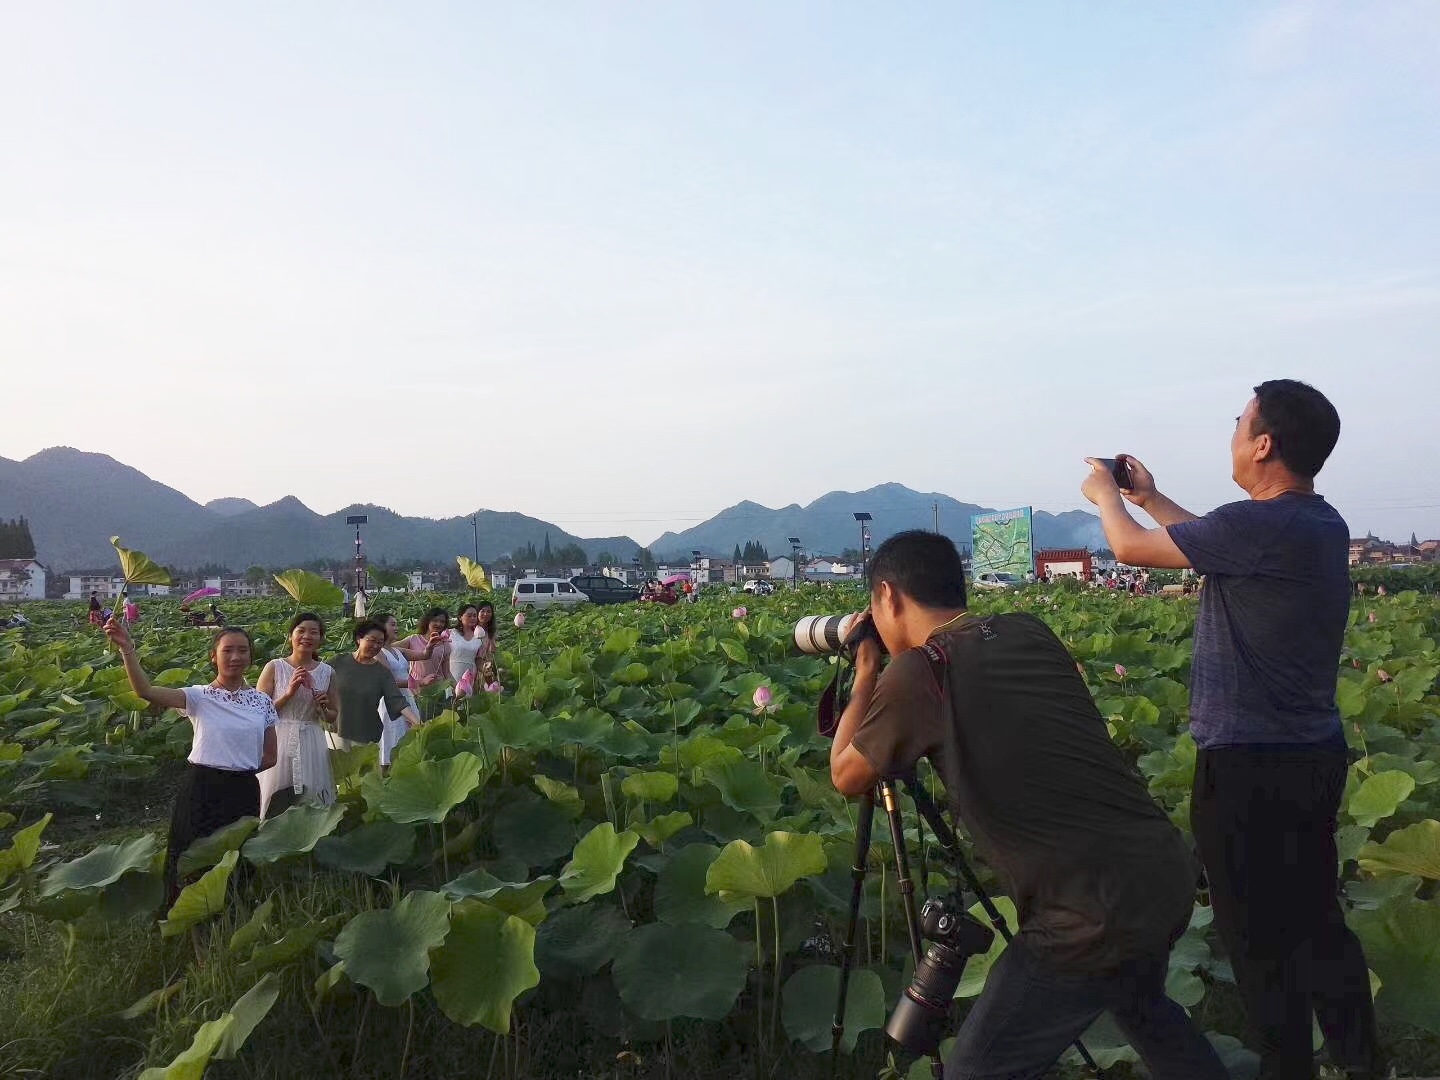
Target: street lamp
(864, 519)
(695, 565)
(357, 520)
(795, 560)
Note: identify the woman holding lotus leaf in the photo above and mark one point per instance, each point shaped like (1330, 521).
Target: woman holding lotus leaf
(299, 686)
(234, 740)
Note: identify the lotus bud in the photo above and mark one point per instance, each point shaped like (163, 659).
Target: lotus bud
(1383, 675)
(1372, 616)
(466, 686)
(1120, 670)
(739, 613)
(492, 688)
(763, 697)
(519, 619)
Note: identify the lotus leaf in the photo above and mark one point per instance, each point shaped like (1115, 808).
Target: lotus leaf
(487, 961)
(200, 899)
(1414, 849)
(535, 831)
(429, 790)
(745, 787)
(1402, 946)
(295, 832)
(743, 872)
(254, 928)
(809, 999)
(659, 829)
(103, 866)
(579, 941)
(310, 590)
(680, 895)
(664, 971)
(389, 950)
(152, 1001)
(190, 1063)
(512, 897)
(1379, 796)
(24, 846)
(247, 1012)
(596, 863)
(206, 852)
(473, 573)
(561, 794)
(138, 568)
(650, 786)
(368, 849)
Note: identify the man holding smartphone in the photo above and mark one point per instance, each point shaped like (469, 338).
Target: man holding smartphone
(1272, 758)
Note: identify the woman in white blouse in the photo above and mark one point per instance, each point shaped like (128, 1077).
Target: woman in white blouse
(234, 739)
(299, 685)
(469, 642)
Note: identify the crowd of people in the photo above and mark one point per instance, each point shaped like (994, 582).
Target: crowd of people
(259, 750)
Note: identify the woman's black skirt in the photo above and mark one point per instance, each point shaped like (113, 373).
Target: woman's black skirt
(208, 799)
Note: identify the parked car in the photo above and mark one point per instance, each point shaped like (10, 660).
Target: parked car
(602, 589)
(758, 587)
(538, 592)
(996, 579)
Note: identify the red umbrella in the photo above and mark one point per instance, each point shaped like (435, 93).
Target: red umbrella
(674, 579)
(200, 594)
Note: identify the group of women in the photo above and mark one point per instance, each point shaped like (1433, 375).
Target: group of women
(257, 751)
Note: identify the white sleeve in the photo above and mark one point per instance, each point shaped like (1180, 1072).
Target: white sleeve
(194, 700)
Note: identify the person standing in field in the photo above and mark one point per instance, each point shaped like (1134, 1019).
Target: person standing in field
(299, 685)
(1272, 760)
(234, 739)
(468, 639)
(399, 658)
(362, 680)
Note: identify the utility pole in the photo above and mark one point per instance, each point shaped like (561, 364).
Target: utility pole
(864, 520)
(937, 517)
(475, 534)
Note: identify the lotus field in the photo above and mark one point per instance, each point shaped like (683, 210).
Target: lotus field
(630, 862)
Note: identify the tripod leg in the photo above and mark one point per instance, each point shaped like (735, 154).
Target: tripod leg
(902, 865)
(857, 893)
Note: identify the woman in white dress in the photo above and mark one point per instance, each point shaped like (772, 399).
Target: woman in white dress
(299, 685)
(398, 658)
(469, 643)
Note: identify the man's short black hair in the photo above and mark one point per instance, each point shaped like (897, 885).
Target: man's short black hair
(924, 566)
(1300, 421)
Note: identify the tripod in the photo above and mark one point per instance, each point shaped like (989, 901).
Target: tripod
(950, 845)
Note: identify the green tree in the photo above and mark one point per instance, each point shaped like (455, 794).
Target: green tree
(647, 559)
(737, 557)
(604, 559)
(254, 575)
(15, 540)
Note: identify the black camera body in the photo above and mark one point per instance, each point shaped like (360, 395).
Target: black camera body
(920, 1019)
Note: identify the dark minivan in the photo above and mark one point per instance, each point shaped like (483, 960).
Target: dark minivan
(604, 590)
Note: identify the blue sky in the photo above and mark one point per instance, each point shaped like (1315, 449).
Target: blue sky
(622, 265)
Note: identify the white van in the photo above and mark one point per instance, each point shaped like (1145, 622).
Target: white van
(538, 592)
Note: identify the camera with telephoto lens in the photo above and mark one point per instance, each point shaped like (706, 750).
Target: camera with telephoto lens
(824, 635)
(919, 1020)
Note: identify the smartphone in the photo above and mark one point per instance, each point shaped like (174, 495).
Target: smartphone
(1120, 470)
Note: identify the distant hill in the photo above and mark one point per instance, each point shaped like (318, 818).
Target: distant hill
(230, 507)
(828, 525)
(75, 501)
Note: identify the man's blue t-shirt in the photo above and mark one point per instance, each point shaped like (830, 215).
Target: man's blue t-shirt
(1272, 621)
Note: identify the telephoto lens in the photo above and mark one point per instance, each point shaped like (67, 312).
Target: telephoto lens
(823, 635)
(920, 1019)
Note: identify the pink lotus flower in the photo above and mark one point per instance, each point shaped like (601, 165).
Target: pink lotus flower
(492, 688)
(1372, 616)
(466, 686)
(519, 619)
(763, 697)
(444, 635)
(1380, 591)
(1383, 675)
(739, 613)
(1120, 670)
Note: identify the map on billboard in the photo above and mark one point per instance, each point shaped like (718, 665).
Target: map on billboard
(1002, 542)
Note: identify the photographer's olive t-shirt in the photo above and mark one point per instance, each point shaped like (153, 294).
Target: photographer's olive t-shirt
(1097, 872)
(1271, 623)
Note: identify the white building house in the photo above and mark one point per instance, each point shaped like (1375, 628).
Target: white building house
(781, 569)
(105, 586)
(21, 579)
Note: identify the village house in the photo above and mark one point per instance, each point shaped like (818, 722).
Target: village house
(21, 579)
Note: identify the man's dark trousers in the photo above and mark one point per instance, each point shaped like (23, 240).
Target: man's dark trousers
(1264, 822)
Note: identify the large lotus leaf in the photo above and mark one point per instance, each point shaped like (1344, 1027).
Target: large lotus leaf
(745, 787)
(190, 1063)
(310, 590)
(368, 849)
(1414, 849)
(510, 725)
(512, 897)
(295, 832)
(808, 1007)
(680, 895)
(473, 573)
(1402, 946)
(487, 961)
(24, 846)
(535, 831)
(429, 790)
(561, 794)
(389, 950)
(743, 872)
(206, 852)
(579, 941)
(136, 895)
(621, 641)
(103, 866)
(138, 568)
(665, 971)
(650, 786)
(596, 863)
(295, 944)
(200, 899)
(1379, 796)
(248, 1011)
(152, 1001)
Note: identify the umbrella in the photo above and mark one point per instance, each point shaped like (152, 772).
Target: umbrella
(200, 594)
(674, 579)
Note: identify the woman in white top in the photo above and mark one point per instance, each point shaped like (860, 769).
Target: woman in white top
(299, 686)
(469, 643)
(398, 658)
(234, 739)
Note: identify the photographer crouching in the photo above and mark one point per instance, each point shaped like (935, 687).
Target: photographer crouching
(1102, 882)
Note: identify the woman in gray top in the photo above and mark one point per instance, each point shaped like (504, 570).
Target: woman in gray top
(360, 682)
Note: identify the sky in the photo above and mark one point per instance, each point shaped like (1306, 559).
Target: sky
(621, 265)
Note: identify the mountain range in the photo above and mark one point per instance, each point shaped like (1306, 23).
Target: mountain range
(75, 501)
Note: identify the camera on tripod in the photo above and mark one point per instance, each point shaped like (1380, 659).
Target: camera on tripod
(920, 1017)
